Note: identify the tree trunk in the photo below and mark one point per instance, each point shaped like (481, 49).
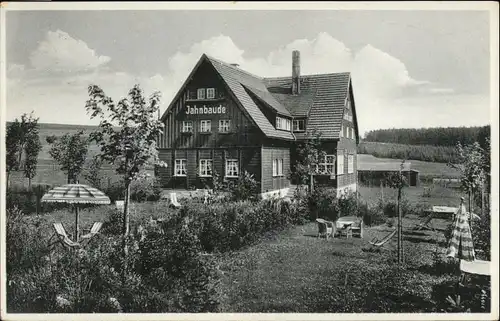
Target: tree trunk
(311, 183)
(482, 200)
(126, 230)
(400, 230)
(470, 208)
(29, 183)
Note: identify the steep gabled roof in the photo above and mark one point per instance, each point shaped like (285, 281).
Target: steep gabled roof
(235, 79)
(322, 98)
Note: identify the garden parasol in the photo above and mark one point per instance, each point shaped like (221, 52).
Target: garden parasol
(460, 245)
(76, 194)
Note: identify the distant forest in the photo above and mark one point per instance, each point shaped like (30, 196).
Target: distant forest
(439, 136)
(425, 144)
(428, 153)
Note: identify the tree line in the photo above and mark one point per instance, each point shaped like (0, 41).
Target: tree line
(429, 153)
(438, 136)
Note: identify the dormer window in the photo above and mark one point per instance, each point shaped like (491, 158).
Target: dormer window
(283, 123)
(299, 125)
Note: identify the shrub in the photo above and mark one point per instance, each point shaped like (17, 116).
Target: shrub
(323, 204)
(244, 188)
(348, 204)
(140, 190)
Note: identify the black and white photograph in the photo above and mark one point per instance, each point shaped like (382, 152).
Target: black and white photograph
(249, 161)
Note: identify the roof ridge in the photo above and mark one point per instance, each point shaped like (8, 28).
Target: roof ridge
(308, 75)
(233, 67)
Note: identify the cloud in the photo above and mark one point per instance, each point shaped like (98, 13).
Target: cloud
(59, 52)
(386, 94)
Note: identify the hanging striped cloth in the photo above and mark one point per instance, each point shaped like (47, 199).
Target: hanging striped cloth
(460, 245)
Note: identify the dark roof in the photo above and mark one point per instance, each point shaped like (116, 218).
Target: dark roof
(322, 98)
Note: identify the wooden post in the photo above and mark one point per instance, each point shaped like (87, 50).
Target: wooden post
(76, 222)
(400, 229)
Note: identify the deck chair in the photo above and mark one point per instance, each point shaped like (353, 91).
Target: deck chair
(425, 224)
(376, 242)
(173, 200)
(120, 205)
(63, 238)
(325, 228)
(93, 231)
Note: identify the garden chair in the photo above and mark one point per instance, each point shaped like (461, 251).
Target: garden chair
(63, 238)
(425, 224)
(325, 228)
(173, 200)
(120, 205)
(346, 230)
(96, 227)
(376, 242)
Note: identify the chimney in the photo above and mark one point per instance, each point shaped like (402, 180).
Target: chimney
(296, 72)
(235, 65)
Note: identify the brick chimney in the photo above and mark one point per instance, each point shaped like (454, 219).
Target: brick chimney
(296, 72)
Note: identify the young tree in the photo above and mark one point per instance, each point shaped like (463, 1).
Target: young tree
(32, 149)
(472, 164)
(309, 155)
(94, 173)
(12, 148)
(17, 136)
(70, 152)
(131, 145)
(398, 181)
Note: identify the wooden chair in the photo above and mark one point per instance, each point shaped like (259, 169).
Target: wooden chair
(62, 237)
(376, 242)
(96, 227)
(325, 228)
(173, 200)
(346, 230)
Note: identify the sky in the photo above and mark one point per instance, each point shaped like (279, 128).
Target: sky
(409, 69)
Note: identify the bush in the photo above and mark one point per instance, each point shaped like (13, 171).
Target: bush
(140, 190)
(244, 188)
(166, 274)
(323, 203)
(28, 200)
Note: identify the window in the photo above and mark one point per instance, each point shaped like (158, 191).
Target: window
(299, 125)
(327, 165)
(283, 123)
(224, 125)
(180, 167)
(205, 167)
(205, 126)
(348, 132)
(350, 164)
(210, 93)
(341, 134)
(278, 167)
(187, 126)
(353, 134)
(340, 164)
(200, 93)
(231, 168)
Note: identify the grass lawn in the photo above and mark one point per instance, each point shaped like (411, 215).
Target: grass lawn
(294, 271)
(437, 195)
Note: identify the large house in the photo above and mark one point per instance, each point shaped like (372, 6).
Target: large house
(225, 120)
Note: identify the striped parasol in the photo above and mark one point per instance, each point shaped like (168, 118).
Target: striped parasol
(461, 245)
(76, 194)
